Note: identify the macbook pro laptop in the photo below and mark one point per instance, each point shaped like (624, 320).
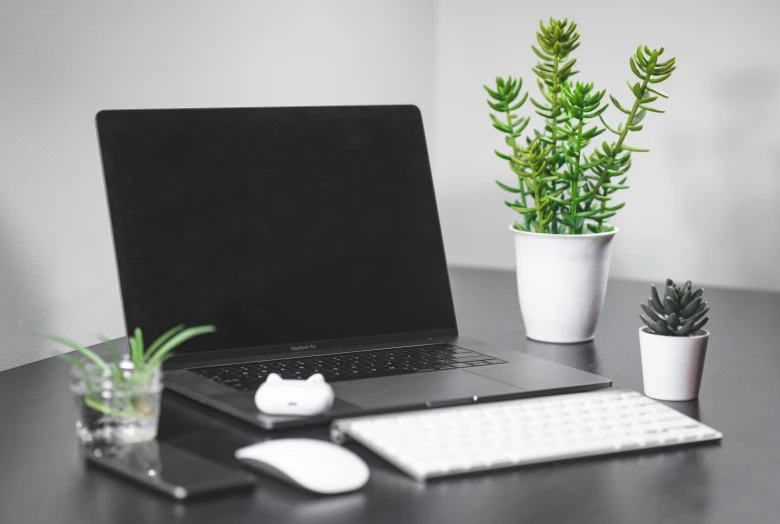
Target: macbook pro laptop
(309, 236)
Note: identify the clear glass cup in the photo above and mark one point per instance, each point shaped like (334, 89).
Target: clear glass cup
(116, 407)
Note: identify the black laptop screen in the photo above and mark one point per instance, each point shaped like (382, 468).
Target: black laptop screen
(279, 226)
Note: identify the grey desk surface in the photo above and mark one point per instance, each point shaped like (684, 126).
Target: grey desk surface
(42, 479)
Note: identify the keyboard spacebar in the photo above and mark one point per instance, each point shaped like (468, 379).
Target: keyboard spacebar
(374, 374)
(570, 450)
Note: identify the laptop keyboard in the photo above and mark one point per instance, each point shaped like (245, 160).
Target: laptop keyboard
(349, 366)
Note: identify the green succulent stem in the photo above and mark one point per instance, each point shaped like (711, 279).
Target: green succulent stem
(575, 187)
(554, 105)
(554, 125)
(520, 181)
(631, 116)
(619, 145)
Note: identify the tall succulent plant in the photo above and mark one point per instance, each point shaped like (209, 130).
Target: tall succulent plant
(562, 189)
(681, 313)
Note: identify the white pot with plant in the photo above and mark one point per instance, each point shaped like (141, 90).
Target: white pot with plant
(673, 343)
(118, 400)
(564, 193)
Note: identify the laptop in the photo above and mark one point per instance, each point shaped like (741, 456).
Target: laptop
(309, 236)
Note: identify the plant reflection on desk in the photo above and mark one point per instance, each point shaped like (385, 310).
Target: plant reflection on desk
(580, 356)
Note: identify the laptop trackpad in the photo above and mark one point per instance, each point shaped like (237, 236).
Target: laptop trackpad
(418, 389)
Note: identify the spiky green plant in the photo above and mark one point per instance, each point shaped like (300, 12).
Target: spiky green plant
(561, 188)
(681, 313)
(144, 361)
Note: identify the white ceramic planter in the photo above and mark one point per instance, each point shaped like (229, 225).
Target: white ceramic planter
(672, 366)
(561, 283)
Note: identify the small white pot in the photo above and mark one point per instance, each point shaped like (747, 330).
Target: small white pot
(561, 283)
(672, 366)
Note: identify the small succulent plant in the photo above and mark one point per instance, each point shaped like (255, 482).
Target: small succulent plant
(127, 371)
(562, 185)
(681, 313)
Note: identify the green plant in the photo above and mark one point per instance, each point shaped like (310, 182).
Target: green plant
(562, 189)
(681, 313)
(129, 373)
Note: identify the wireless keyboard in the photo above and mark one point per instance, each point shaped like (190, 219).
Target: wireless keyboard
(450, 441)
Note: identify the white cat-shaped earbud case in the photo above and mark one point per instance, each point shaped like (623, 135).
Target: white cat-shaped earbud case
(277, 396)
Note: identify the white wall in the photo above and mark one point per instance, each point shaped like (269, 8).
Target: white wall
(703, 203)
(62, 61)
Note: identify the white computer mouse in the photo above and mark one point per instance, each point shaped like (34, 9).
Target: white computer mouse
(314, 465)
